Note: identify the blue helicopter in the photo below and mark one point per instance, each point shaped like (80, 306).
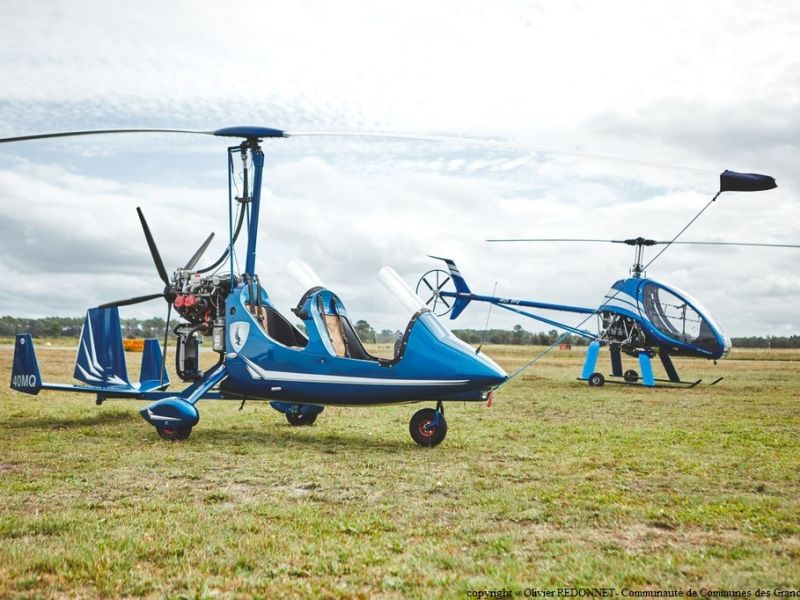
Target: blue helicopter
(262, 355)
(639, 316)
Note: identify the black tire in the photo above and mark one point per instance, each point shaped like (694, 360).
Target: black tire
(596, 380)
(177, 434)
(630, 376)
(298, 419)
(422, 431)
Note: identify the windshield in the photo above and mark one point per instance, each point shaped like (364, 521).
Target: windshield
(676, 317)
(303, 274)
(400, 289)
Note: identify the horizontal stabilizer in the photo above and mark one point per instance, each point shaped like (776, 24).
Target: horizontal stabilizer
(25, 376)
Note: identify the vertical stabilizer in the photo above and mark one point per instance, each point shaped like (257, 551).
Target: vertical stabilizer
(101, 358)
(150, 375)
(25, 375)
(462, 289)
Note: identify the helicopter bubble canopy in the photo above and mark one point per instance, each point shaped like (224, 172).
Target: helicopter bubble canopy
(677, 315)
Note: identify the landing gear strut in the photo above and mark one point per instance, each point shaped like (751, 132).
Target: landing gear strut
(428, 427)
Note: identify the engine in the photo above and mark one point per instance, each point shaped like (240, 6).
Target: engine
(200, 300)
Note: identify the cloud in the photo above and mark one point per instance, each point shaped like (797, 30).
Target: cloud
(708, 86)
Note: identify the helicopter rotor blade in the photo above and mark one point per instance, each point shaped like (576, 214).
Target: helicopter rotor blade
(547, 240)
(257, 132)
(200, 251)
(644, 242)
(135, 300)
(735, 244)
(43, 136)
(151, 243)
(491, 143)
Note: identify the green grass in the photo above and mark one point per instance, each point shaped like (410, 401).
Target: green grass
(556, 485)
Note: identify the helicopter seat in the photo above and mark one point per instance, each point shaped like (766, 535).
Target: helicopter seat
(276, 326)
(333, 323)
(324, 312)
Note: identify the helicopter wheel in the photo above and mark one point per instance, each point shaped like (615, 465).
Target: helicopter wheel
(422, 430)
(177, 434)
(596, 380)
(298, 419)
(630, 376)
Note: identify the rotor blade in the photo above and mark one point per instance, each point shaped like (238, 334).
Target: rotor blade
(548, 240)
(647, 242)
(162, 271)
(43, 136)
(490, 143)
(135, 300)
(736, 244)
(193, 261)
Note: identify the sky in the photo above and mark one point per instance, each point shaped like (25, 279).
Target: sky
(590, 120)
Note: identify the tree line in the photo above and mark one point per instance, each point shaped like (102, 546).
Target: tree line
(518, 336)
(71, 327)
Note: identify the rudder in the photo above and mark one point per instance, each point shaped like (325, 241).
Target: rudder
(101, 357)
(150, 374)
(462, 289)
(25, 376)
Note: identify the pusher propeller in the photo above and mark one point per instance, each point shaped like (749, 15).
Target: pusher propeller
(168, 293)
(135, 300)
(151, 243)
(200, 251)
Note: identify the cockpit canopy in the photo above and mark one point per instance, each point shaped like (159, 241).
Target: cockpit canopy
(679, 317)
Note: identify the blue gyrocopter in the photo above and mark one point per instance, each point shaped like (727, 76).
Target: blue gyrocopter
(262, 356)
(639, 316)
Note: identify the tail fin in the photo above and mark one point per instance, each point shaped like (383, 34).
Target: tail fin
(101, 358)
(462, 289)
(150, 375)
(25, 375)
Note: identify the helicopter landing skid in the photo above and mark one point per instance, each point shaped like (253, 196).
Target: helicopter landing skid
(596, 381)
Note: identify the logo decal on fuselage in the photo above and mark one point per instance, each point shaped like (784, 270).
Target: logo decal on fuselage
(238, 335)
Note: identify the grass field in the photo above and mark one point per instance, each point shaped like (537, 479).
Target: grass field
(557, 484)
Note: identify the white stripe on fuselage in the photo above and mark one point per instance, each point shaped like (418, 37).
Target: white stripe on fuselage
(254, 370)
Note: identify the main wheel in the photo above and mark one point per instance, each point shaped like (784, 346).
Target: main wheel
(174, 434)
(297, 419)
(630, 376)
(596, 380)
(422, 429)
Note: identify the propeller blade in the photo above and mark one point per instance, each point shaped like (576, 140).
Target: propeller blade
(135, 300)
(193, 261)
(162, 271)
(43, 136)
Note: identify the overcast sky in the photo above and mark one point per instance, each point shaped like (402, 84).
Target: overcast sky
(683, 90)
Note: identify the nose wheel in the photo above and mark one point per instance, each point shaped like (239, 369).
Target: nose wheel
(300, 419)
(174, 434)
(428, 426)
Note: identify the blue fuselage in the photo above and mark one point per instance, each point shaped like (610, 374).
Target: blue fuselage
(430, 363)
